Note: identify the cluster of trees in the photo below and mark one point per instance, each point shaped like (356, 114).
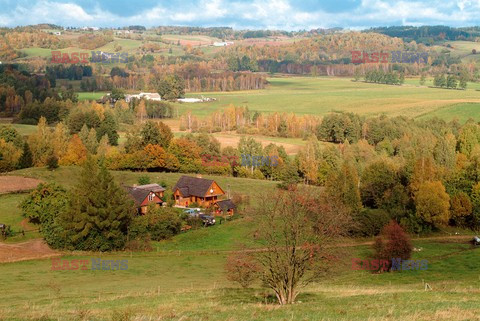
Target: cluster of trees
(245, 121)
(70, 71)
(18, 88)
(235, 63)
(96, 214)
(30, 37)
(381, 77)
(429, 34)
(93, 41)
(226, 81)
(450, 81)
(423, 174)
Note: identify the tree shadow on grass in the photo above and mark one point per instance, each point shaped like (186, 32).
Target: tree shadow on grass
(259, 296)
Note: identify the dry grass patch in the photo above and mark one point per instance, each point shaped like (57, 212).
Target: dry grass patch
(14, 184)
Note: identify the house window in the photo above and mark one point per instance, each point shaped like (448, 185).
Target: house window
(151, 196)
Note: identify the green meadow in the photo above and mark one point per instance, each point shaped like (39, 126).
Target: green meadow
(192, 285)
(319, 96)
(184, 279)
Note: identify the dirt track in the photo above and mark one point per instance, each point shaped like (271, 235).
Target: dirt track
(30, 250)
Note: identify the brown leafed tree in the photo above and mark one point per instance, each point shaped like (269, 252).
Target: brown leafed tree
(392, 243)
(241, 267)
(297, 228)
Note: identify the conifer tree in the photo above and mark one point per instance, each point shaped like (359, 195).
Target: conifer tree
(99, 211)
(26, 160)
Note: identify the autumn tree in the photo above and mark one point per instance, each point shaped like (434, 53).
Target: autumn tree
(392, 243)
(460, 208)
(309, 160)
(171, 87)
(432, 203)
(9, 156)
(40, 143)
(296, 228)
(187, 153)
(156, 133)
(378, 179)
(76, 152)
(344, 184)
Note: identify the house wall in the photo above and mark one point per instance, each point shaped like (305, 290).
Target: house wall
(156, 199)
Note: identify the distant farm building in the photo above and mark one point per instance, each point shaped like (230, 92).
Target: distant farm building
(143, 195)
(223, 44)
(147, 96)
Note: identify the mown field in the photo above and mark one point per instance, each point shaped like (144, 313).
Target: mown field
(319, 96)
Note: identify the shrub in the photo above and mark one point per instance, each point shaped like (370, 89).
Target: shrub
(143, 180)
(44, 206)
(393, 242)
(52, 162)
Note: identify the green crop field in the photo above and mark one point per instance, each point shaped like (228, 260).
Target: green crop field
(319, 96)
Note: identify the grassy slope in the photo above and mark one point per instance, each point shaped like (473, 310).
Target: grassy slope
(192, 286)
(181, 280)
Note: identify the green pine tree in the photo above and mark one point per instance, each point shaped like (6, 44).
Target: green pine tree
(26, 160)
(99, 212)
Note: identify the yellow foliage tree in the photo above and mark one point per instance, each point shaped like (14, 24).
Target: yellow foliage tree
(76, 152)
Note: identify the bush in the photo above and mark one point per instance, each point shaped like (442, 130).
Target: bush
(143, 180)
(392, 243)
(52, 162)
(44, 206)
(194, 222)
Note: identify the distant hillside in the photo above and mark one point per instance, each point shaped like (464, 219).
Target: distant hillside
(429, 34)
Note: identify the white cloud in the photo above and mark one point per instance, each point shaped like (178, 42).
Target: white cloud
(275, 14)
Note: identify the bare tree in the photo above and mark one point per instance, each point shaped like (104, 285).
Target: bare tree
(298, 228)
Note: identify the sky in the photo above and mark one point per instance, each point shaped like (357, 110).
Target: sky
(250, 14)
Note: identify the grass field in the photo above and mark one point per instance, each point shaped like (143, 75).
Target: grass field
(463, 49)
(319, 96)
(90, 95)
(184, 278)
(191, 285)
(462, 112)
